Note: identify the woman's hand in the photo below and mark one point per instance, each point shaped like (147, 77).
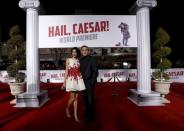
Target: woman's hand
(63, 86)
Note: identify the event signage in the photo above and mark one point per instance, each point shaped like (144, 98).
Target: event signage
(107, 75)
(64, 31)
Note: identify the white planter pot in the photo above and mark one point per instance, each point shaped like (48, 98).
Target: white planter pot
(163, 88)
(16, 88)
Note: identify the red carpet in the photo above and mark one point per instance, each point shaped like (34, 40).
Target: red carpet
(113, 111)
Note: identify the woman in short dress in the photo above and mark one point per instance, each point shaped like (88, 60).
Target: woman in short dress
(73, 81)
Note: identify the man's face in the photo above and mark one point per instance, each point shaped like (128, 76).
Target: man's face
(84, 51)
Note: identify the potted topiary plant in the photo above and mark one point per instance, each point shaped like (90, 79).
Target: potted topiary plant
(16, 55)
(162, 80)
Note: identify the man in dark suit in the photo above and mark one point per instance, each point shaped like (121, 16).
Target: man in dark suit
(89, 73)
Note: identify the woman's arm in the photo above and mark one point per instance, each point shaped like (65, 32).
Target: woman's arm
(66, 74)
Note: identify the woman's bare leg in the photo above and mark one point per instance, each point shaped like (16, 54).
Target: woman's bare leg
(70, 101)
(75, 107)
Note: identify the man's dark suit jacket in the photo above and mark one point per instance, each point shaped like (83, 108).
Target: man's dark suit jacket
(89, 69)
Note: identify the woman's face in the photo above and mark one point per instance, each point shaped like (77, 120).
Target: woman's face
(74, 53)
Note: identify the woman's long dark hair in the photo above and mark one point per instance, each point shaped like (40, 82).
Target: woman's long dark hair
(77, 50)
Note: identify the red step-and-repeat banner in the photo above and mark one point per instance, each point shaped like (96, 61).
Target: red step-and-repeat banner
(57, 76)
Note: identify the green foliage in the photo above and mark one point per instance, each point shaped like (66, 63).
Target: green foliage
(161, 53)
(20, 77)
(12, 70)
(162, 34)
(157, 75)
(14, 31)
(16, 49)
